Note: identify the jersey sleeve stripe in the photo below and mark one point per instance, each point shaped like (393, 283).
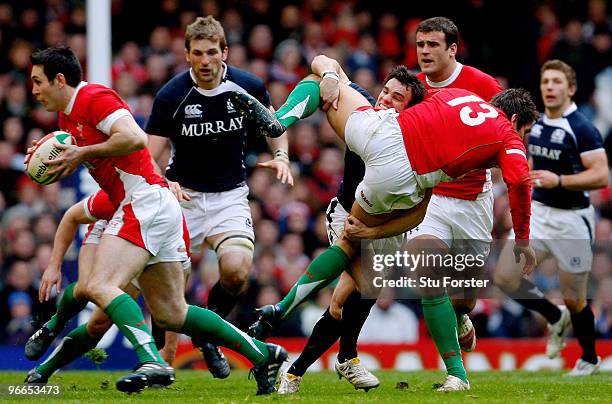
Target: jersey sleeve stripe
(105, 124)
(598, 150)
(87, 210)
(516, 151)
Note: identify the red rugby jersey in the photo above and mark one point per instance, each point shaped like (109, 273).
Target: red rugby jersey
(453, 133)
(89, 116)
(469, 78)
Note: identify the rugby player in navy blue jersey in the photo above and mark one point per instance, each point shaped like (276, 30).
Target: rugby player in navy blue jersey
(567, 160)
(194, 114)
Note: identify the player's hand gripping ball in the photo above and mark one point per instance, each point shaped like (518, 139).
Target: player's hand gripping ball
(45, 150)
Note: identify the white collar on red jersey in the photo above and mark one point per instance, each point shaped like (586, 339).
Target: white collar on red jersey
(448, 81)
(68, 109)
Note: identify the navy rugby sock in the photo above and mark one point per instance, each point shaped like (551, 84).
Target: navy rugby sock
(532, 298)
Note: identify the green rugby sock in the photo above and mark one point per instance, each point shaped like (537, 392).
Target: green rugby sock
(74, 345)
(67, 307)
(203, 325)
(127, 315)
(442, 325)
(302, 102)
(320, 273)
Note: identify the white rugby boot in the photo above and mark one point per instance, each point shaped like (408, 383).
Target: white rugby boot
(357, 374)
(584, 368)
(453, 383)
(289, 384)
(556, 333)
(466, 334)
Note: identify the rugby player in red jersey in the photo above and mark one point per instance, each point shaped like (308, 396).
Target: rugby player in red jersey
(452, 133)
(144, 236)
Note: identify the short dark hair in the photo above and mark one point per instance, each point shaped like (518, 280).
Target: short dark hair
(402, 74)
(517, 101)
(441, 24)
(59, 59)
(205, 28)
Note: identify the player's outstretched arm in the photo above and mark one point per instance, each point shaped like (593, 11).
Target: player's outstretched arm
(66, 230)
(408, 220)
(515, 172)
(595, 175)
(280, 162)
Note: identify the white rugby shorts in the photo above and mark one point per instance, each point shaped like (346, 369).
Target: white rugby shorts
(459, 223)
(335, 216)
(94, 232)
(151, 218)
(211, 213)
(389, 182)
(566, 234)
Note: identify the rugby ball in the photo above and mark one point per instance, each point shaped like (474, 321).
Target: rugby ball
(45, 150)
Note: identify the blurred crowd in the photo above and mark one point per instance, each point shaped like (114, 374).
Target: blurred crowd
(276, 40)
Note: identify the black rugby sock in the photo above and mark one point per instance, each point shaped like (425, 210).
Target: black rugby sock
(220, 301)
(584, 330)
(530, 297)
(354, 314)
(325, 332)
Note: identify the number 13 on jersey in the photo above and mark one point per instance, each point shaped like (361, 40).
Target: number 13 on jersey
(467, 113)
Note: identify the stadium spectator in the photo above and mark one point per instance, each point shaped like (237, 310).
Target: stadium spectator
(9, 176)
(19, 326)
(390, 321)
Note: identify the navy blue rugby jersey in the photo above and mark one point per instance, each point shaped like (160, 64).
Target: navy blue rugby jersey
(207, 133)
(354, 167)
(556, 145)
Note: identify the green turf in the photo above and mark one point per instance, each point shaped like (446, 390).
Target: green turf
(324, 387)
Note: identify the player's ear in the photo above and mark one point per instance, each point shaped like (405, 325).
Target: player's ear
(453, 49)
(513, 120)
(60, 79)
(224, 53)
(571, 91)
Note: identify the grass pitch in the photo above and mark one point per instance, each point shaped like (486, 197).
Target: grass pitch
(324, 387)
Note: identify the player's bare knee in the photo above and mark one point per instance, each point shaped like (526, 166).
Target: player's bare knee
(171, 317)
(235, 253)
(92, 290)
(234, 282)
(575, 305)
(335, 310)
(508, 284)
(79, 290)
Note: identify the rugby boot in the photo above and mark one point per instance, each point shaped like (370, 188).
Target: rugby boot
(289, 384)
(148, 374)
(265, 324)
(216, 361)
(357, 374)
(556, 333)
(39, 342)
(266, 374)
(34, 377)
(466, 334)
(264, 120)
(452, 383)
(584, 368)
